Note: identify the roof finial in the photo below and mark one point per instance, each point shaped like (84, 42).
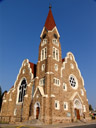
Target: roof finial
(50, 6)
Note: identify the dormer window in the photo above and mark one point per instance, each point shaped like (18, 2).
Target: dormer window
(54, 41)
(44, 42)
(43, 53)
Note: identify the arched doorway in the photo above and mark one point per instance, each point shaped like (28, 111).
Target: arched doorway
(77, 108)
(37, 110)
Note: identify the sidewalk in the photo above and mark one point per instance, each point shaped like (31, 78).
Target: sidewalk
(65, 125)
(69, 125)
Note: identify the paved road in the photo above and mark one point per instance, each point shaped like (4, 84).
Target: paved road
(49, 126)
(85, 126)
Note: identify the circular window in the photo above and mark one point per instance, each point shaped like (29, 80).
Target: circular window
(73, 81)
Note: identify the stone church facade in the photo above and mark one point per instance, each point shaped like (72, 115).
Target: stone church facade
(52, 90)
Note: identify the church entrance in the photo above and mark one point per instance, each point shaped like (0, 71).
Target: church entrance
(37, 110)
(77, 108)
(77, 113)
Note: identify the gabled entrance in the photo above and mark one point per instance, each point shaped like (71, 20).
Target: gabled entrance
(77, 108)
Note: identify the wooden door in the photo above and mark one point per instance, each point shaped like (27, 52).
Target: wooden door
(78, 114)
(37, 112)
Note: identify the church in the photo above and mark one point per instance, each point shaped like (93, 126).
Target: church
(52, 90)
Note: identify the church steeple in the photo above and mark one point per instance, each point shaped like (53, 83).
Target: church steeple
(50, 23)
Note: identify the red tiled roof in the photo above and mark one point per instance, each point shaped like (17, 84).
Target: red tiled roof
(50, 23)
(12, 87)
(63, 60)
(33, 67)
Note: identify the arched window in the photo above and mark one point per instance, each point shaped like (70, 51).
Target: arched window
(22, 90)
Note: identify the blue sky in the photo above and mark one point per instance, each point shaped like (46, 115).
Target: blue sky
(21, 23)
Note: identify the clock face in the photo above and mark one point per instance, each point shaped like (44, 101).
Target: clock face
(73, 81)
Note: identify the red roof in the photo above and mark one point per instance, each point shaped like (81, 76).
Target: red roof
(12, 87)
(50, 23)
(33, 67)
(63, 59)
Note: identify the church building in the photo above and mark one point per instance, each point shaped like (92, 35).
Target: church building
(51, 91)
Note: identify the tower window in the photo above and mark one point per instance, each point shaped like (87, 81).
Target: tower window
(43, 53)
(43, 67)
(22, 90)
(56, 67)
(44, 36)
(44, 42)
(55, 36)
(54, 41)
(55, 54)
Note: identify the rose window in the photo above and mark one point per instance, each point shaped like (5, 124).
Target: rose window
(73, 81)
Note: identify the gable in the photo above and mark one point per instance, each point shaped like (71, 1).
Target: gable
(41, 90)
(27, 70)
(69, 60)
(76, 94)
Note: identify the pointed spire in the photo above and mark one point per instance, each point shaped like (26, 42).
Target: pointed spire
(50, 23)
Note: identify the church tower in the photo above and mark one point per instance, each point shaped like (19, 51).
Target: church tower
(49, 62)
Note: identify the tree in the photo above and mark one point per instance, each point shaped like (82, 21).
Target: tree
(90, 107)
(0, 97)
